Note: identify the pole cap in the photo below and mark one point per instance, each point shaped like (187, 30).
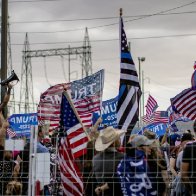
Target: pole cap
(121, 11)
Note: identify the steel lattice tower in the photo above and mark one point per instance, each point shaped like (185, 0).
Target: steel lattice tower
(26, 89)
(26, 84)
(83, 51)
(86, 58)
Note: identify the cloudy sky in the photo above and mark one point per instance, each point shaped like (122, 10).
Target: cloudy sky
(163, 32)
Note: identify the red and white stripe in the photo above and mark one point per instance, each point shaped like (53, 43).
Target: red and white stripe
(11, 133)
(185, 103)
(158, 118)
(155, 118)
(151, 106)
(71, 177)
(147, 120)
(77, 140)
(48, 110)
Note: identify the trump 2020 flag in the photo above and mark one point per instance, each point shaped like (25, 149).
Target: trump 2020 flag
(86, 95)
(129, 91)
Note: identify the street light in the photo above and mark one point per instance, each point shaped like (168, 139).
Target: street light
(140, 59)
(143, 91)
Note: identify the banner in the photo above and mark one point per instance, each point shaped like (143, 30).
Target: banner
(108, 113)
(86, 95)
(158, 128)
(21, 123)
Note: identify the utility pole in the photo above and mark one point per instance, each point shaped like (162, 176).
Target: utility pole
(140, 59)
(129, 44)
(4, 16)
(142, 93)
(143, 88)
(11, 104)
(69, 64)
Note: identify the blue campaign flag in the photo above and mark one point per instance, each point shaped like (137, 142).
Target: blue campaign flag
(108, 113)
(175, 116)
(21, 123)
(158, 128)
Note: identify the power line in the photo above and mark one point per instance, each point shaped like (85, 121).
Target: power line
(164, 11)
(31, 1)
(108, 40)
(164, 86)
(99, 18)
(112, 24)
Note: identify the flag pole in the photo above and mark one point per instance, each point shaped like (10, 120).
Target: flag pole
(101, 87)
(120, 28)
(75, 111)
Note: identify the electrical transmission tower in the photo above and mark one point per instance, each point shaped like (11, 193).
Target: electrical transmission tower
(26, 85)
(26, 73)
(86, 58)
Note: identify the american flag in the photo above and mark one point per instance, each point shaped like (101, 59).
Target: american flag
(185, 103)
(11, 133)
(71, 140)
(87, 92)
(49, 106)
(71, 178)
(156, 117)
(151, 106)
(86, 95)
(129, 91)
(75, 134)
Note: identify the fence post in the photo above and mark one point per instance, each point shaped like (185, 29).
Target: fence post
(32, 161)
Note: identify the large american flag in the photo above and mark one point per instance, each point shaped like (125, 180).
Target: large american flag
(185, 103)
(129, 91)
(73, 128)
(86, 95)
(156, 117)
(72, 144)
(151, 106)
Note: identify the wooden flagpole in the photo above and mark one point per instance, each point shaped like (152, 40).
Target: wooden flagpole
(76, 113)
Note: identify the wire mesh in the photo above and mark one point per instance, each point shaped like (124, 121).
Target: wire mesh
(134, 170)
